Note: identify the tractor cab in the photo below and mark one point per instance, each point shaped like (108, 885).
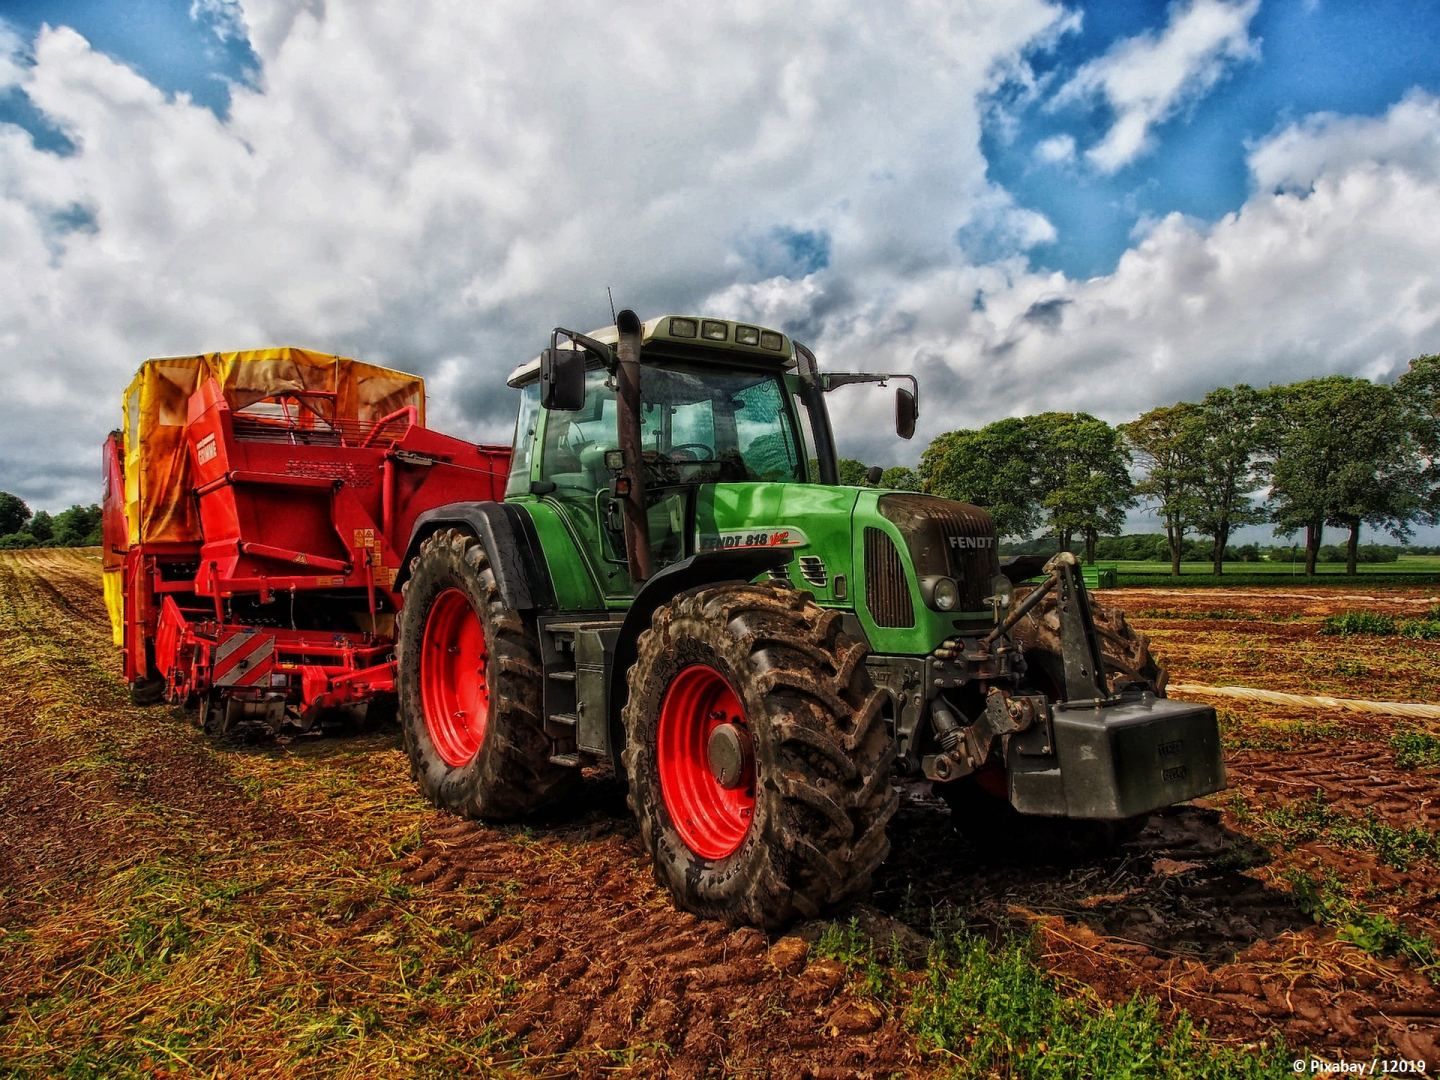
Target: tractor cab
(719, 403)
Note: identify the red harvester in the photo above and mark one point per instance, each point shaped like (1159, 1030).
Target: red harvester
(257, 508)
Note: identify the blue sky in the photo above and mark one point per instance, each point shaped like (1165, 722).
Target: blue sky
(1328, 56)
(1313, 56)
(1034, 204)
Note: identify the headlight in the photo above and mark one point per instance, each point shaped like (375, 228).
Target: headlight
(1001, 590)
(945, 594)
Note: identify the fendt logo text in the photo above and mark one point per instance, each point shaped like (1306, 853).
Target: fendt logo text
(972, 541)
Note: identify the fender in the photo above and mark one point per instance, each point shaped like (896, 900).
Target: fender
(707, 568)
(511, 545)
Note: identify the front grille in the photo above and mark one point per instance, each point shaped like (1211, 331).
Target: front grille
(812, 569)
(948, 538)
(887, 592)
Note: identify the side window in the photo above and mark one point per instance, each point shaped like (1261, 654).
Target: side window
(765, 440)
(519, 483)
(575, 442)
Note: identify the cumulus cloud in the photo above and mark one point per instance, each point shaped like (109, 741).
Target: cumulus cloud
(439, 206)
(12, 51)
(437, 187)
(1407, 138)
(225, 18)
(1334, 277)
(1146, 79)
(1056, 150)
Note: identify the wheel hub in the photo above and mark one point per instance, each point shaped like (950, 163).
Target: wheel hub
(706, 762)
(730, 753)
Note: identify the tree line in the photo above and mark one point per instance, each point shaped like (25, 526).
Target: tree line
(79, 526)
(1335, 452)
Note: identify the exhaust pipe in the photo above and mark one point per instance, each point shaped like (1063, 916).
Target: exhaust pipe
(637, 529)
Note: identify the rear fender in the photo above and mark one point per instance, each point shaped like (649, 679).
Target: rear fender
(511, 545)
(707, 568)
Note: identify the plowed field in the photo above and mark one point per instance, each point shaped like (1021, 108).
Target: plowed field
(168, 907)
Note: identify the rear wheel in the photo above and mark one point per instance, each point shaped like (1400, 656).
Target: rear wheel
(758, 759)
(469, 680)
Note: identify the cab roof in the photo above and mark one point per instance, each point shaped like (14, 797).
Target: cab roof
(728, 339)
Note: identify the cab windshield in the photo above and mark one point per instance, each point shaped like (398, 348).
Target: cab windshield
(697, 425)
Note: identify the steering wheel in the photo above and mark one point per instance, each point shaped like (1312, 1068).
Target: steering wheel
(697, 451)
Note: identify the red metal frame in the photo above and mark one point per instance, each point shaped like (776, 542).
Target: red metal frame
(288, 590)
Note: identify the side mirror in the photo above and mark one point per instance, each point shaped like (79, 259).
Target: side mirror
(873, 475)
(562, 379)
(906, 412)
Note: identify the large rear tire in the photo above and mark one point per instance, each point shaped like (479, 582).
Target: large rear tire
(758, 759)
(469, 685)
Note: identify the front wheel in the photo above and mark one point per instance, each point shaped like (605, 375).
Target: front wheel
(758, 759)
(980, 803)
(468, 682)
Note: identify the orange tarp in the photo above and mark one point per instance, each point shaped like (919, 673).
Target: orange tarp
(158, 497)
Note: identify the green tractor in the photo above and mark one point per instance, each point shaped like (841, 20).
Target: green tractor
(669, 588)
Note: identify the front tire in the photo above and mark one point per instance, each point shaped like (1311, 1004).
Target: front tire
(758, 759)
(980, 805)
(469, 685)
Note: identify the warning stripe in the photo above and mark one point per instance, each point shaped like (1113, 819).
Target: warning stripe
(240, 659)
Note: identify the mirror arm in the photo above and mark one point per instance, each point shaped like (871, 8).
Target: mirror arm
(832, 380)
(602, 352)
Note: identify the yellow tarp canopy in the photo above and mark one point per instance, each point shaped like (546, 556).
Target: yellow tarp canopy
(158, 499)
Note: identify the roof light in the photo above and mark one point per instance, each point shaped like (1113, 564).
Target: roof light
(713, 331)
(682, 328)
(771, 340)
(747, 335)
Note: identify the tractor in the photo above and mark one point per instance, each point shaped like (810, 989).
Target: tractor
(676, 586)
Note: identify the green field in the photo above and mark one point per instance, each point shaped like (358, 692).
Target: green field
(1406, 570)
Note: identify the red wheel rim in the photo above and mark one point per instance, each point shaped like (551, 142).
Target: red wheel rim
(453, 691)
(712, 820)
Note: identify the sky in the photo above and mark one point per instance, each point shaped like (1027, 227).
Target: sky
(1033, 204)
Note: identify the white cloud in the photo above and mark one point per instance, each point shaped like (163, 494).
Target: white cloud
(1147, 78)
(1056, 150)
(225, 18)
(1408, 137)
(441, 205)
(420, 185)
(12, 53)
(1337, 277)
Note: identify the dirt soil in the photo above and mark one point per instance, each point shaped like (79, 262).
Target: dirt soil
(169, 907)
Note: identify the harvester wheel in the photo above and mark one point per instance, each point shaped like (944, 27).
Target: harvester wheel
(758, 759)
(469, 683)
(144, 692)
(980, 804)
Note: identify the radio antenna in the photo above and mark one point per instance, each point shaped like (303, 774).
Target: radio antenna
(612, 303)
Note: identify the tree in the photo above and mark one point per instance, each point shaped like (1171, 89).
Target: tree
(1083, 471)
(1345, 453)
(1232, 422)
(1167, 441)
(42, 527)
(13, 513)
(851, 472)
(901, 478)
(1419, 392)
(79, 526)
(994, 467)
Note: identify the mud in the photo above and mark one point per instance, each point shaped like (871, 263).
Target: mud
(580, 965)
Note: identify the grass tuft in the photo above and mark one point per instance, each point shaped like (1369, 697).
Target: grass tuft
(994, 1011)
(1415, 749)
